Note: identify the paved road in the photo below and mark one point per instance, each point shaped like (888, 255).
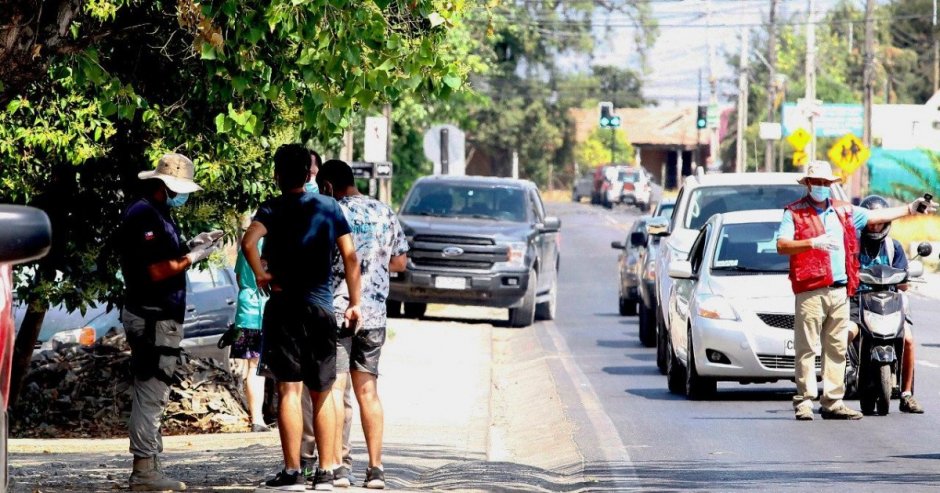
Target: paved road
(641, 436)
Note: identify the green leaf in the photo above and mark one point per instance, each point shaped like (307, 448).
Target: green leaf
(387, 65)
(436, 19)
(220, 123)
(452, 81)
(208, 52)
(108, 108)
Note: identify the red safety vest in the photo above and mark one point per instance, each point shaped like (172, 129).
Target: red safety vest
(812, 269)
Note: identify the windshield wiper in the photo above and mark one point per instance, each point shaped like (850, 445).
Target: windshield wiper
(429, 214)
(743, 268)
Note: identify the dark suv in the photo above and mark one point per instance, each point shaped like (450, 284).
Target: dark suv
(478, 241)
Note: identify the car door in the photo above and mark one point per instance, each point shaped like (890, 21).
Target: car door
(683, 290)
(211, 296)
(546, 242)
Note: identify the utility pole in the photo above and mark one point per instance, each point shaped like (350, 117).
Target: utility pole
(741, 154)
(936, 51)
(771, 82)
(712, 83)
(811, 75)
(698, 130)
(868, 78)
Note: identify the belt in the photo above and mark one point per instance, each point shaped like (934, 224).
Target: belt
(840, 284)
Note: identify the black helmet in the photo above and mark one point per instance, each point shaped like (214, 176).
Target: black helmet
(873, 202)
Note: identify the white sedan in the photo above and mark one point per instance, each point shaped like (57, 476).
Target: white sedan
(732, 297)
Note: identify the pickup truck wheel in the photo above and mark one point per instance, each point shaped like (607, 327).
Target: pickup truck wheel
(415, 310)
(393, 308)
(524, 315)
(626, 307)
(546, 309)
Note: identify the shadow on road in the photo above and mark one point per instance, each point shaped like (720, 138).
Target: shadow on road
(722, 395)
(620, 343)
(632, 370)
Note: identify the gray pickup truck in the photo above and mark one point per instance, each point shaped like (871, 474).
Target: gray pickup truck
(478, 241)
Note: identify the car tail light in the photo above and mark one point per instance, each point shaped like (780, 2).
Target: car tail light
(6, 331)
(628, 187)
(87, 336)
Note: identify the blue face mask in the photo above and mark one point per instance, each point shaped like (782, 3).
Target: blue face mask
(311, 187)
(820, 193)
(177, 201)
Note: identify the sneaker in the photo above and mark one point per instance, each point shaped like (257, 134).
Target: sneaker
(342, 477)
(375, 478)
(260, 428)
(323, 480)
(284, 482)
(910, 405)
(804, 413)
(840, 413)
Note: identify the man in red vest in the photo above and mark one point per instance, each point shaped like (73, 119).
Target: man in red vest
(820, 235)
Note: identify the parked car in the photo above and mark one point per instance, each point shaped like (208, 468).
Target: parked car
(647, 276)
(635, 188)
(211, 295)
(582, 187)
(701, 197)
(628, 266)
(732, 308)
(478, 241)
(25, 234)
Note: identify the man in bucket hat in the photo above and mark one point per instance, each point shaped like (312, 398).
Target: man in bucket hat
(820, 234)
(154, 260)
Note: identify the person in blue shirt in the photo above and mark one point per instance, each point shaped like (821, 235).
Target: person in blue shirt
(246, 350)
(301, 232)
(877, 248)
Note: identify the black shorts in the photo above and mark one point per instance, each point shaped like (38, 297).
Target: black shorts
(361, 352)
(299, 342)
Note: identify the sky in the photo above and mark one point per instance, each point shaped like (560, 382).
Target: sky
(681, 47)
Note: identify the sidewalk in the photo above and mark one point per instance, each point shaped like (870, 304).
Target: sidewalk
(467, 407)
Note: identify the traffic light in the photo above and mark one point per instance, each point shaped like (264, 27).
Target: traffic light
(702, 120)
(607, 118)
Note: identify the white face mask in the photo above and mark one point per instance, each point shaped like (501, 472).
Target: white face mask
(311, 187)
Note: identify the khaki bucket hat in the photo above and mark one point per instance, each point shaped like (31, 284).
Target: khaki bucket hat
(821, 170)
(176, 171)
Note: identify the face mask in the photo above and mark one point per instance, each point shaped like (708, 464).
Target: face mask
(820, 193)
(177, 201)
(311, 187)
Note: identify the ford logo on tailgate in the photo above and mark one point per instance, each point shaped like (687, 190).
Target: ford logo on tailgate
(452, 251)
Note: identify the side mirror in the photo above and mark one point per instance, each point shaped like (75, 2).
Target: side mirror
(616, 245)
(25, 234)
(551, 224)
(915, 268)
(658, 226)
(680, 269)
(924, 249)
(637, 239)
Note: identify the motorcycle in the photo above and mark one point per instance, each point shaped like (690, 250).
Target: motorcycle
(884, 314)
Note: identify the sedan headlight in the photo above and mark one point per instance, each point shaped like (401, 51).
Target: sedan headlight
(84, 336)
(715, 307)
(517, 250)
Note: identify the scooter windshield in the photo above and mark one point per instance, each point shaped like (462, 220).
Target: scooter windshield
(882, 275)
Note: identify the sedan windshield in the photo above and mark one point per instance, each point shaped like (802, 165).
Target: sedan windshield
(750, 247)
(708, 201)
(477, 201)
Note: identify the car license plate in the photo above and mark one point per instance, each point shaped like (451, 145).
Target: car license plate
(788, 348)
(450, 282)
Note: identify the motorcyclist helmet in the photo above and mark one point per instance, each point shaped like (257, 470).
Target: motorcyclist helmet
(873, 202)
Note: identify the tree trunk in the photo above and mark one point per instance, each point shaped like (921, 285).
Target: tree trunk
(23, 350)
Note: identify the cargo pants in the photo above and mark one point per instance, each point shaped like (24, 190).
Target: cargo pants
(150, 394)
(821, 326)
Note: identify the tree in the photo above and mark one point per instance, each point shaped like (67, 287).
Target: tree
(120, 82)
(596, 150)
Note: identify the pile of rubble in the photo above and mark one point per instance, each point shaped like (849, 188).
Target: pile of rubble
(86, 392)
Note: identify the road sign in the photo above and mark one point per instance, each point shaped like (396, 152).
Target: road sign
(800, 158)
(798, 139)
(454, 145)
(849, 153)
(375, 142)
(832, 120)
(712, 115)
(770, 131)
